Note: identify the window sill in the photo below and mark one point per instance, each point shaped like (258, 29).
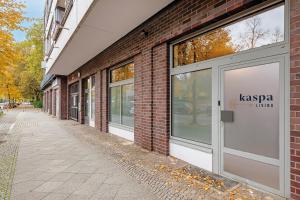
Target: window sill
(120, 126)
(191, 144)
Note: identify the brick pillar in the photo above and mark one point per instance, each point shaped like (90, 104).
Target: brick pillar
(50, 102)
(161, 100)
(98, 100)
(44, 101)
(143, 100)
(47, 101)
(63, 98)
(295, 98)
(54, 102)
(138, 99)
(104, 101)
(81, 102)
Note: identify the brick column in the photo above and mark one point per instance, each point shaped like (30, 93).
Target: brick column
(143, 100)
(295, 98)
(104, 101)
(63, 98)
(81, 102)
(161, 100)
(54, 102)
(44, 101)
(50, 102)
(98, 100)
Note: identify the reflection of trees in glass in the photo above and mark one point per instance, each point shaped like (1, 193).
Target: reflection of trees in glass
(255, 35)
(192, 92)
(249, 33)
(211, 45)
(122, 73)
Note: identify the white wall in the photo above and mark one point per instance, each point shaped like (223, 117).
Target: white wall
(128, 135)
(193, 156)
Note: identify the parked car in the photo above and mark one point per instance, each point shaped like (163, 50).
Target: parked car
(4, 105)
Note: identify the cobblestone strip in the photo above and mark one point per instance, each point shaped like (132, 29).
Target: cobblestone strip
(8, 157)
(161, 184)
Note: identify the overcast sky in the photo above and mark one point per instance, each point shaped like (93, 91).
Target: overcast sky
(34, 9)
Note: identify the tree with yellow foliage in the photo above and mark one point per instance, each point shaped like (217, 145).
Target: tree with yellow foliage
(11, 17)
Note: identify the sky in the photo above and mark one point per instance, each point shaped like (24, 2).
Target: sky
(34, 9)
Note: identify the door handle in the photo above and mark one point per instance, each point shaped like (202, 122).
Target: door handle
(226, 115)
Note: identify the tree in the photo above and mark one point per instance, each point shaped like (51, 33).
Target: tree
(29, 65)
(11, 17)
(253, 34)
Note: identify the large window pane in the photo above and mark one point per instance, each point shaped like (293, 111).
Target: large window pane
(191, 106)
(255, 31)
(115, 107)
(127, 105)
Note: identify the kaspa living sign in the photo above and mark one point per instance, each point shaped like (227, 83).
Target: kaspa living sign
(260, 101)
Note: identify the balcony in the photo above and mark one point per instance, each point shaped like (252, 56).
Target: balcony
(93, 26)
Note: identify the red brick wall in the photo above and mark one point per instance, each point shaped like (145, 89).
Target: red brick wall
(50, 101)
(161, 99)
(63, 98)
(104, 101)
(295, 98)
(179, 18)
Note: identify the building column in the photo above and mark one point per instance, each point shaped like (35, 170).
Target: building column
(63, 98)
(50, 101)
(104, 101)
(98, 100)
(143, 80)
(81, 102)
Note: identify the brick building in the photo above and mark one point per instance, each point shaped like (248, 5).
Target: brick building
(215, 83)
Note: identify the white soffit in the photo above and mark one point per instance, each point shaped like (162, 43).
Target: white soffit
(105, 23)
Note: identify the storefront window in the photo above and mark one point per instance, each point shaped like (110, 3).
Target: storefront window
(191, 106)
(115, 109)
(255, 31)
(122, 95)
(127, 104)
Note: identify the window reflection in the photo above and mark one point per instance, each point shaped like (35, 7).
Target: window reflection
(259, 30)
(115, 107)
(127, 104)
(122, 73)
(191, 106)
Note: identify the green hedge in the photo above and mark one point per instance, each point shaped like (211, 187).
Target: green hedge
(37, 104)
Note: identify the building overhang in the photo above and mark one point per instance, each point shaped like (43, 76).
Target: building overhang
(105, 22)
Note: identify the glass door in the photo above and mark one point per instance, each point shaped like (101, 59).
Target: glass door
(252, 134)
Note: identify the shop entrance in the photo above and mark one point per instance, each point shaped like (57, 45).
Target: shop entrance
(252, 123)
(89, 101)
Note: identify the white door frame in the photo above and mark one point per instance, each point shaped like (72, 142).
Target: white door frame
(284, 178)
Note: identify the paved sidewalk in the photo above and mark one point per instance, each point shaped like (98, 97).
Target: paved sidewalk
(66, 160)
(53, 164)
